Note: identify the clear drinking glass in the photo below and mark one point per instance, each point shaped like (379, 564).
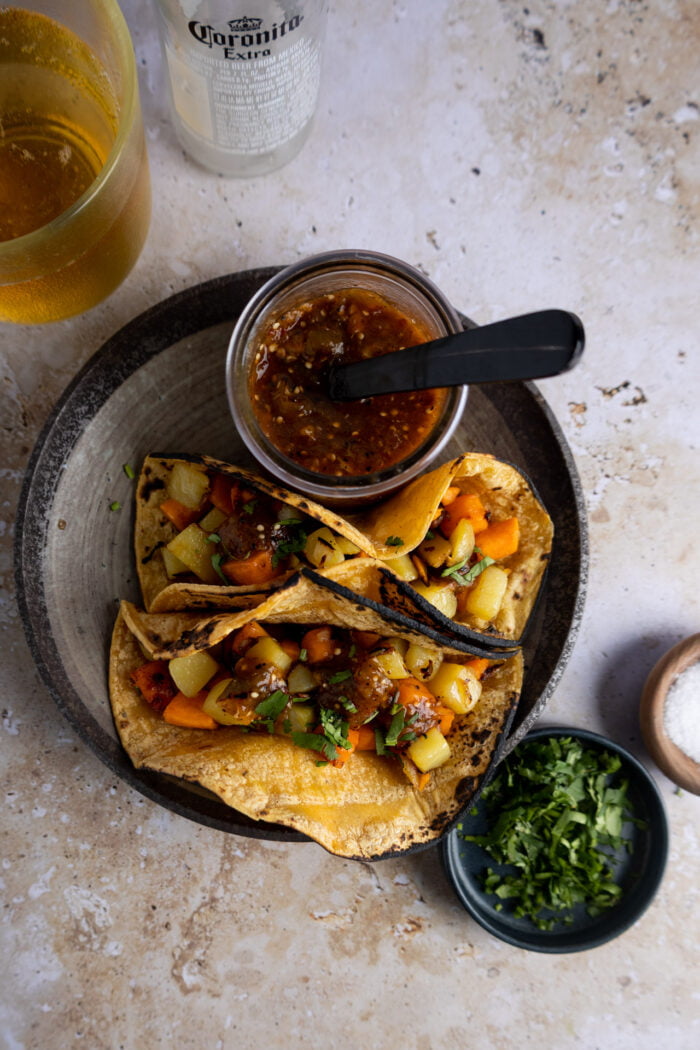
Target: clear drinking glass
(243, 78)
(400, 285)
(75, 198)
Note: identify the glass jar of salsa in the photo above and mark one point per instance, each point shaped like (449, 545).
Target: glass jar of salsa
(339, 307)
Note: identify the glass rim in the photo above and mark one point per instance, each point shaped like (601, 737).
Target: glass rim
(19, 245)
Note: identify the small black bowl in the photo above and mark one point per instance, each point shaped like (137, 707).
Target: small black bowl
(639, 871)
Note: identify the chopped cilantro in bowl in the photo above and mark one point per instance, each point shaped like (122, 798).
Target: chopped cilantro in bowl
(566, 846)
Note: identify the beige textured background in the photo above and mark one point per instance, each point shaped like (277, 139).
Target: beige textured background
(523, 156)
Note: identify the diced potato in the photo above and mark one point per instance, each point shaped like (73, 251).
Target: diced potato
(422, 662)
(456, 687)
(302, 717)
(348, 548)
(188, 484)
(435, 551)
(322, 549)
(486, 596)
(173, 565)
(192, 547)
(226, 709)
(391, 662)
(268, 651)
(301, 679)
(288, 513)
(191, 673)
(429, 751)
(461, 542)
(442, 597)
(211, 521)
(402, 567)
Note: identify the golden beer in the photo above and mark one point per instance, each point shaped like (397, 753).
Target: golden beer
(74, 182)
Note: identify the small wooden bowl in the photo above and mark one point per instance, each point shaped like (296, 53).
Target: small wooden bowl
(677, 766)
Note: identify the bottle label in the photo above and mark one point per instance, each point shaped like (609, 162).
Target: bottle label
(246, 86)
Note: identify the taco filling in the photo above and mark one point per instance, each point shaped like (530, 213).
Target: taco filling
(314, 712)
(330, 690)
(200, 526)
(461, 566)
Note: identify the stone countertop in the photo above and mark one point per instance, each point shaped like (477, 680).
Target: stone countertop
(523, 157)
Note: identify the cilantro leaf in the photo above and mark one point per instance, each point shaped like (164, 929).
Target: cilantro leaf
(396, 726)
(216, 560)
(339, 676)
(465, 578)
(273, 705)
(335, 728)
(293, 545)
(315, 742)
(394, 541)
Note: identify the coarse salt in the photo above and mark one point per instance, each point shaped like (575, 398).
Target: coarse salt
(682, 711)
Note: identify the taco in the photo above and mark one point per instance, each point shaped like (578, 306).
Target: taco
(462, 550)
(471, 543)
(303, 713)
(209, 534)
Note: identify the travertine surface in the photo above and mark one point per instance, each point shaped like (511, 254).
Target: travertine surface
(524, 157)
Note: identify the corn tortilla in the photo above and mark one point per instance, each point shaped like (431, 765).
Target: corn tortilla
(405, 517)
(368, 809)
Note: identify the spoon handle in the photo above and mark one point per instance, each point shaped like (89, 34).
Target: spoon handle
(532, 346)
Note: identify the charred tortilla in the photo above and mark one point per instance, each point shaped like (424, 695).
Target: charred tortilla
(366, 809)
(417, 512)
(378, 540)
(254, 514)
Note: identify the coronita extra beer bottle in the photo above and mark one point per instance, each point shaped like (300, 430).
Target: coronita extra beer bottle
(243, 78)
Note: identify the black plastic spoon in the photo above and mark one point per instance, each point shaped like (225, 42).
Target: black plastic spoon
(533, 346)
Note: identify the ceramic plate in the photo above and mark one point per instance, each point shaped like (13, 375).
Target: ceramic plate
(158, 385)
(638, 871)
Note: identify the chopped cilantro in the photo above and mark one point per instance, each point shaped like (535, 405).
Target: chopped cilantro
(273, 705)
(379, 743)
(348, 704)
(129, 471)
(557, 822)
(394, 541)
(397, 724)
(115, 505)
(213, 537)
(335, 729)
(315, 742)
(465, 578)
(294, 545)
(216, 560)
(339, 676)
(303, 655)
(249, 507)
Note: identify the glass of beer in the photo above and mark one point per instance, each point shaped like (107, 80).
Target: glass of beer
(75, 197)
